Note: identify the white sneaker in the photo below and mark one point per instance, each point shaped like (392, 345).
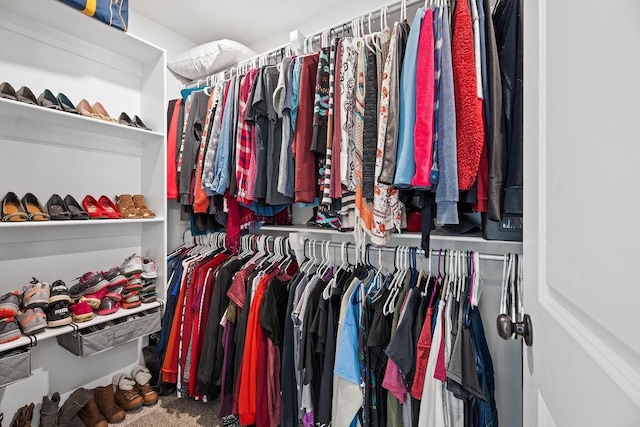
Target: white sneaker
(131, 265)
(149, 268)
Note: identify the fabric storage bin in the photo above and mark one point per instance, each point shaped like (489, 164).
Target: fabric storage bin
(15, 365)
(114, 13)
(102, 337)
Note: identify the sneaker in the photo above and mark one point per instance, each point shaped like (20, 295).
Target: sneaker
(116, 293)
(9, 330)
(149, 268)
(89, 283)
(148, 297)
(131, 265)
(58, 314)
(10, 304)
(115, 277)
(59, 292)
(36, 294)
(108, 306)
(81, 312)
(94, 299)
(32, 320)
(148, 285)
(131, 300)
(134, 284)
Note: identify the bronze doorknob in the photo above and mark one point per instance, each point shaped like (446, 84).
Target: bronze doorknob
(507, 327)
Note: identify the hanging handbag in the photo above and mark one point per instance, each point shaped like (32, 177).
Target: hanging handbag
(114, 13)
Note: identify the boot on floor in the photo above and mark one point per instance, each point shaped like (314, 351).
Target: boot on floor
(107, 405)
(67, 416)
(142, 376)
(23, 416)
(49, 410)
(91, 416)
(125, 394)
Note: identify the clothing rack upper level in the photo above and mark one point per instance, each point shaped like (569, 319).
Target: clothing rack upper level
(339, 28)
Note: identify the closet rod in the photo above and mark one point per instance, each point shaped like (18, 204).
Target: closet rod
(391, 8)
(436, 252)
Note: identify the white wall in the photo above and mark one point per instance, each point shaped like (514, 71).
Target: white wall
(174, 44)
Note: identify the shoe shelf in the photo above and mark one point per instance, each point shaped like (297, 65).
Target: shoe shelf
(49, 333)
(80, 223)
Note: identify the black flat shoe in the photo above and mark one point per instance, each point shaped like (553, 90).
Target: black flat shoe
(7, 91)
(48, 100)
(57, 209)
(74, 208)
(139, 123)
(124, 119)
(12, 209)
(66, 104)
(25, 95)
(34, 208)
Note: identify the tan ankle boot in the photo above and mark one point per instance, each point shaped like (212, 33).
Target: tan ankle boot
(142, 376)
(126, 396)
(91, 416)
(106, 403)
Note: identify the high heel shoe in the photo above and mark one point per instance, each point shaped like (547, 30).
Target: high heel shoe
(66, 104)
(74, 208)
(127, 207)
(107, 205)
(12, 209)
(102, 113)
(92, 207)
(137, 121)
(48, 100)
(85, 109)
(25, 95)
(7, 91)
(124, 119)
(141, 206)
(57, 209)
(34, 208)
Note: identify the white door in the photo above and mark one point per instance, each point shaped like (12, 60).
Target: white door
(582, 207)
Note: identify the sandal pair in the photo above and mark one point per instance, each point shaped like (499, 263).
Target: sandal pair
(27, 209)
(134, 207)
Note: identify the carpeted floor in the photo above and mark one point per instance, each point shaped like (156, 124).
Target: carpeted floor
(171, 411)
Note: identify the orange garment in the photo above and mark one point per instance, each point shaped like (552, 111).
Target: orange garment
(247, 399)
(172, 141)
(201, 200)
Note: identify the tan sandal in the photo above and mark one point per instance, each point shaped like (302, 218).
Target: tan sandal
(142, 207)
(127, 207)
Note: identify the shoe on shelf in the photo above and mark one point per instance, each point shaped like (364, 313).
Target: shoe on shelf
(126, 396)
(48, 100)
(73, 207)
(131, 265)
(8, 92)
(137, 121)
(12, 209)
(25, 95)
(49, 410)
(59, 292)
(91, 415)
(93, 208)
(9, 330)
(36, 294)
(10, 304)
(148, 285)
(130, 300)
(134, 283)
(102, 113)
(94, 300)
(81, 312)
(115, 276)
(32, 320)
(108, 306)
(127, 207)
(72, 406)
(141, 205)
(58, 314)
(85, 109)
(115, 293)
(57, 208)
(34, 208)
(107, 206)
(142, 376)
(148, 297)
(89, 283)
(66, 104)
(149, 268)
(107, 405)
(124, 119)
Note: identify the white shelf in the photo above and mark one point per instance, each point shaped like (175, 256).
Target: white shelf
(97, 320)
(79, 223)
(18, 111)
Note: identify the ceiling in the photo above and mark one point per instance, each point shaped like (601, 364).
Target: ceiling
(251, 22)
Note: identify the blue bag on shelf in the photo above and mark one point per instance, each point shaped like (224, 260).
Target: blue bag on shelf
(114, 13)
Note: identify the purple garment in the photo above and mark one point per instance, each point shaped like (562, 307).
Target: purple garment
(307, 419)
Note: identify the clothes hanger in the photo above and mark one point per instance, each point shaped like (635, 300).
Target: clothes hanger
(390, 304)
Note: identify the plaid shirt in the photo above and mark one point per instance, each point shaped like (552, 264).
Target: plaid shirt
(244, 137)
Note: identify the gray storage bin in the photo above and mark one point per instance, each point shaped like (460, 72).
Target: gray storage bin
(87, 342)
(15, 365)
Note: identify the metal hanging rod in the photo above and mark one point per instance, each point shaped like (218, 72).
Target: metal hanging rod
(436, 252)
(280, 50)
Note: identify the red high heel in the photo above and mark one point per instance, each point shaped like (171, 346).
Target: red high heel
(110, 209)
(93, 208)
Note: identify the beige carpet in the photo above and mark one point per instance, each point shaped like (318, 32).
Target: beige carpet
(171, 411)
